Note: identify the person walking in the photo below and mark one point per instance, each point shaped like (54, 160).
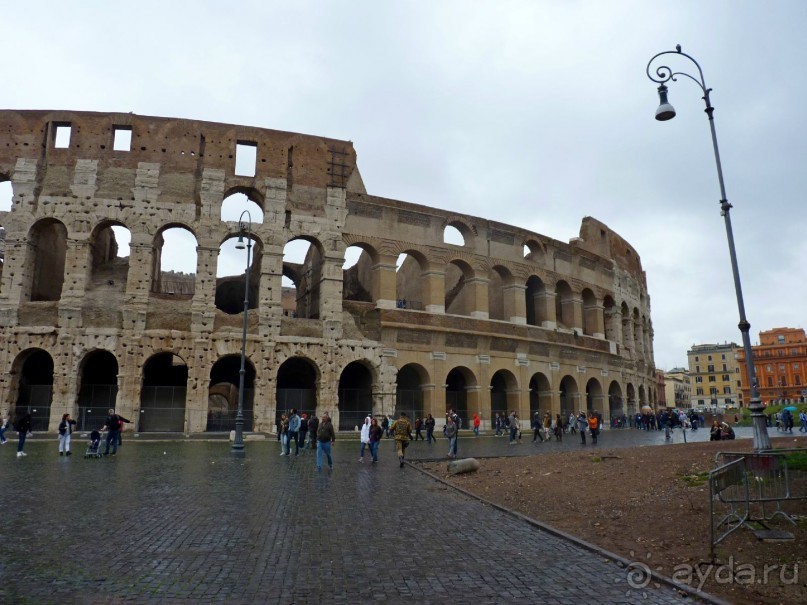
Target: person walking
(23, 426)
(325, 439)
(497, 424)
(547, 426)
(572, 423)
(477, 422)
(376, 433)
(313, 425)
(558, 428)
(65, 431)
(418, 429)
(451, 435)
(3, 427)
(802, 420)
(294, 433)
(537, 425)
(401, 430)
(284, 434)
(303, 431)
(112, 425)
(430, 422)
(593, 427)
(514, 422)
(582, 425)
(364, 437)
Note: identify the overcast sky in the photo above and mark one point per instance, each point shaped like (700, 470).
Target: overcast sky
(532, 113)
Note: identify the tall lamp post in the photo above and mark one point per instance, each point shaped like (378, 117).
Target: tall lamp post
(661, 75)
(243, 229)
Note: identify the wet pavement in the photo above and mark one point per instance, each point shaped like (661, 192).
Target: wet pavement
(181, 521)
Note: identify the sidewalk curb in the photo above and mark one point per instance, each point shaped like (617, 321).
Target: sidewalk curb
(606, 554)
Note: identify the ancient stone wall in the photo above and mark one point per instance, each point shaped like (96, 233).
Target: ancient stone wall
(510, 319)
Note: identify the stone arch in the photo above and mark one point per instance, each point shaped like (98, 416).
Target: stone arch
(500, 301)
(540, 395)
(642, 397)
(296, 386)
(97, 388)
(178, 284)
(536, 295)
(222, 394)
(460, 381)
(616, 406)
(240, 198)
(569, 396)
(306, 276)
(409, 384)
(504, 395)
(47, 249)
(458, 293)
(163, 395)
(595, 399)
(563, 304)
(109, 269)
(466, 230)
(358, 279)
(32, 375)
(591, 311)
(409, 280)
(231, 273)
(355, 394)
(534, 251)
(611, 316)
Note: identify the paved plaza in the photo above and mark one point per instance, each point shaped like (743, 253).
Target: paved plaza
(187, 521)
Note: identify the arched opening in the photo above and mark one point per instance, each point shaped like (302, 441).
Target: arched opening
(536, 301)
(569, 396)
(109, 259)
(98, 389)
(231, 274)
(409, 281)
(534, 252)
(627, 329)
(355, 395)
(595, 401)
(357, 273)
(47, 249)
(222, 394)
(616, 407)
(458, 297)
(174, 258)
(611, 315)
(234, 204)
(500, 302)
(540, 395)
(642, 398)
(162, 397)
(563, 305)
(6, 194)
(637, 333)
(631, 394)
(35, 387)
(409, 390)
(452, 235)
(503, 393)
(590, 310)
(302, 277)
(457, 383)
(296, 387)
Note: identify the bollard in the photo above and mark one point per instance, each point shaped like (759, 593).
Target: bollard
(466, 465)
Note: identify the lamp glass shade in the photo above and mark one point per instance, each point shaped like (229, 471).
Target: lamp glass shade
(665, 111)
(239, 245)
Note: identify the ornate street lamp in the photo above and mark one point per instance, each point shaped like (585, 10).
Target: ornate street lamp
(665, 111)
(243, 229)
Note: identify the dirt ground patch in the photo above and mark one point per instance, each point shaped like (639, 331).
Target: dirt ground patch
(650, 505)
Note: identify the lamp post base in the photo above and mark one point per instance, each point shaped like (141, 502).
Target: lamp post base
(762, 441)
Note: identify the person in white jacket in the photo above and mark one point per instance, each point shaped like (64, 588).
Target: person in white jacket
(365, 437)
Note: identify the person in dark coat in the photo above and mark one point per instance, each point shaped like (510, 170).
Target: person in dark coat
(23, 426)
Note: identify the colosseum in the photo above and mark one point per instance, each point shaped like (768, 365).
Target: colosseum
(499, 318)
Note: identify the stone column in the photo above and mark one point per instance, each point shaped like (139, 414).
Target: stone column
(433, 287)
(573, 312)
(384, 282)
(595, 321)
(477, 297)
(545, 309)
(515, 303)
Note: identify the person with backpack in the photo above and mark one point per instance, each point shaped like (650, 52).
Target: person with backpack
(401, 430)
(326, 436)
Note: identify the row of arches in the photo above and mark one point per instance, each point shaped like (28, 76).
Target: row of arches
(163, 404)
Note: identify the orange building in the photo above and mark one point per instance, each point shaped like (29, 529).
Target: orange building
(781, 366)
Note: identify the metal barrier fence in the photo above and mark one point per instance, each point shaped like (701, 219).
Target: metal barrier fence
(745, 481)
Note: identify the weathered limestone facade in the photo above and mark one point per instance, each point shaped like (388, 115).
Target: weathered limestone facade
(509, 320)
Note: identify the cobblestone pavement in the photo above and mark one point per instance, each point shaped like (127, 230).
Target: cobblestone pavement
(190, 522)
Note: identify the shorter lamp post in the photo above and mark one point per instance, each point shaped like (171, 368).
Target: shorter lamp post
(665, 111)
(243, 228)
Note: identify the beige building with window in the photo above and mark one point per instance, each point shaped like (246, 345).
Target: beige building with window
(678, 388)
(715, 376)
